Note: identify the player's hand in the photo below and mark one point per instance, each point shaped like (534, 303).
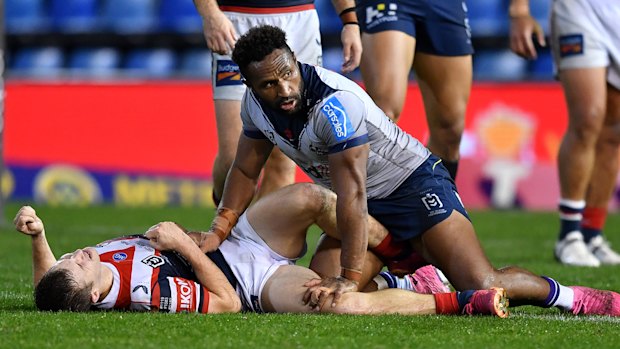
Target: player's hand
(27, 222)
(207, 242)
(166, 236)
(219, 33)
(351, 47)
(320, 290)
(522, 28)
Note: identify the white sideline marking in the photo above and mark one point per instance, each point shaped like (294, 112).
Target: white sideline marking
(566, 317)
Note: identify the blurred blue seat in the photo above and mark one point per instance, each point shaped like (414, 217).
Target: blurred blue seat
(129, 16)
(151, 63)
(542, 67)
(500, 65)
(330, 22)
(102, 62)
(488, 17)
(540, 9)
(76, 16)
(196, 64)
(179, 16)
(37, 62)
(25, 16)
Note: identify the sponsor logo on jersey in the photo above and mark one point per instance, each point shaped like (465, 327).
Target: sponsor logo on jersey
(119, 256)
(338, 118)
(153, 261)
(433, 204)
(227, 73)
(571, 45)
(184, 295)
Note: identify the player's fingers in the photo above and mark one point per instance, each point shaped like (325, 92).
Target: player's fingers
(540, 36)
(313, 282)
(336, 298)
(323, 297)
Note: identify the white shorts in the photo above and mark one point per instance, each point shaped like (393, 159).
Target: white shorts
(586, 34)
(302, 34)
(252, 262)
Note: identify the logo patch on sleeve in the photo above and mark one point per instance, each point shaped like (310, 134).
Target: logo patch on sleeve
(571, 45)
(227, 73)
(338, 118)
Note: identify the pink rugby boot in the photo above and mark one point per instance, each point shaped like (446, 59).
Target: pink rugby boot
(589, 301)
(428, 280)
(487, 302)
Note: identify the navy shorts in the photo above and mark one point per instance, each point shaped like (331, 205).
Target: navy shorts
(425, 199)
(441, 27)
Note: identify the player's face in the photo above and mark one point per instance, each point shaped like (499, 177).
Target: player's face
(83, 264)
(277, 81)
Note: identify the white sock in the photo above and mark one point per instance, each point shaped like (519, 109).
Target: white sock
(565, 298)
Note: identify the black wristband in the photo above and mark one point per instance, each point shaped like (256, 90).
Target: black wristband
(346, 10)
(354, 23)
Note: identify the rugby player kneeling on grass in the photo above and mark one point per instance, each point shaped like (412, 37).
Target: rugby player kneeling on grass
(165, 270)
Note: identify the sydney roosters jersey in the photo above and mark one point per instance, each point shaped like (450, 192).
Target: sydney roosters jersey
(146, 279)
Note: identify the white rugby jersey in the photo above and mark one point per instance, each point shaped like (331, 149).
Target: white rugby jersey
(146, 279)
(337, 114)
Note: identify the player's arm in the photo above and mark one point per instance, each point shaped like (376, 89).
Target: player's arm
(348, 174)
(348, 171)
(27, 222)
(239, 188)
(522, 27)
(350, 36)
(222, 296)
(219, 32)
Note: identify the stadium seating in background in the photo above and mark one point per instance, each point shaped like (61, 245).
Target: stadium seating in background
(102, 62)
(500, 65)
(488, 17)
(25, 16)
(196, 64)
(542, 67)
(179, 16)
(540, 9)
(151, 63)
(129, 16)
(74, 16)
(38, 62)
(330, 22)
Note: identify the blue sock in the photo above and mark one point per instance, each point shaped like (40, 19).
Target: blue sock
(589, 233)
(463, 297)
(570, 216)
(392, 280)
(554, 292)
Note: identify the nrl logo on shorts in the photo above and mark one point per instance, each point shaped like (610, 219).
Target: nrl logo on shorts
(433, 203)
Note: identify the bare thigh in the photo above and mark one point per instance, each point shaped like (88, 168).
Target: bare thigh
(284, 291)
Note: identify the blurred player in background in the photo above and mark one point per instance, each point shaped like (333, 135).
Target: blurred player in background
(253, 270)
(223, 22)
(433, 37)
(585, 41)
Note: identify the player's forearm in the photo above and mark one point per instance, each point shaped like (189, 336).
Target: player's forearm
(519, 8)
(345, 10)
(42, 257)
(211, 277)
(238, 190)
(206, 7)
(353, 227)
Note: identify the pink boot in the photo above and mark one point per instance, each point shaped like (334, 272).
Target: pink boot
(427, 280)
(590, 301)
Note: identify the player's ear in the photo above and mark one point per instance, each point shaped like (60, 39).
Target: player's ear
(94, 295)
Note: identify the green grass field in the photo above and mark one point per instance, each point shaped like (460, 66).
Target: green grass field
(519, 238)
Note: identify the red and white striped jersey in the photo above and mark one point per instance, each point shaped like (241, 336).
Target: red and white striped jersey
(146, 279)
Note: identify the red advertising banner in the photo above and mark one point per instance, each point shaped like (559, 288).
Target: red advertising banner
(154, 143)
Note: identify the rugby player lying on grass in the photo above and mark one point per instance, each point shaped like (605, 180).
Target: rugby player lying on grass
(165, 270)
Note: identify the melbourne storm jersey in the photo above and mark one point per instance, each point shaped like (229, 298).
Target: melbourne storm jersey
(337, 114)
(146, 279)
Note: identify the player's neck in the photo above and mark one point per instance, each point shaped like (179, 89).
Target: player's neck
(106, 282)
